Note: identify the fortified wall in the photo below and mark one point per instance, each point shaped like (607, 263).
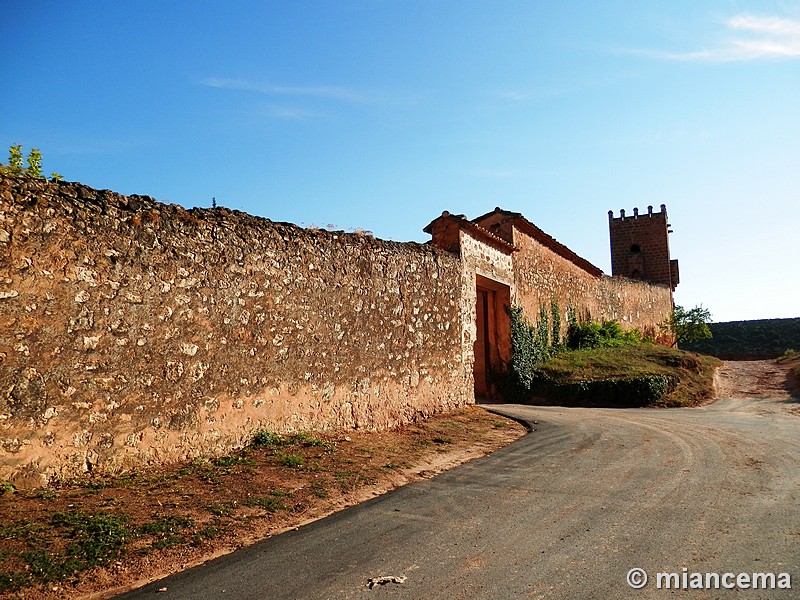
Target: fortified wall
(546, 270)
(134, 332)
(507, 260)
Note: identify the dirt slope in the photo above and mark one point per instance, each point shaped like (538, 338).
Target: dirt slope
(753, 379)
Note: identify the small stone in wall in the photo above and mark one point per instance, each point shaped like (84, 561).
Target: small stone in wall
(81, 439)
(48, 414)
(174, 370)
(86, 275)
(90, 342)
(189, 349)
(96, 417)
(11, 445)
(197, 371)
(133, 440)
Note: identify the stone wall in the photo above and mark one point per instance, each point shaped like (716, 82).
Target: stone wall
(479, 258)
(133, 332)
(541, 276)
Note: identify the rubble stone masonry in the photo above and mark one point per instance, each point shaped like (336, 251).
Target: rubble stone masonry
(542, 276)
(134, 332)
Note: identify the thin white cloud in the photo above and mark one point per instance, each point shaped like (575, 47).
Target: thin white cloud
(292, 112)
(334, 93)
(754, 38)
(770, 25)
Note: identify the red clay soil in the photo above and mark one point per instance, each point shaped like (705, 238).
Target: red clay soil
(182, 516)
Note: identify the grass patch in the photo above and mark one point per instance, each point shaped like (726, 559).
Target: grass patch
(267, 503)
(268, 439)
(233, 460)
(45, 494)
(309, 441)
(166, 525)
(94, 540)
(319, 489)
(167, 531)
(221, 509)
(689, 377)
(97, 539)
(206, 533)
(293, 461)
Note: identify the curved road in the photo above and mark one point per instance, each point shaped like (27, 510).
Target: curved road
(564, 512)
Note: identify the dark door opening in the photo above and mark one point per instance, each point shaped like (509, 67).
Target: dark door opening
(492, 347)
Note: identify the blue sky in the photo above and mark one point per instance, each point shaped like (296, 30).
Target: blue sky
(380, 114)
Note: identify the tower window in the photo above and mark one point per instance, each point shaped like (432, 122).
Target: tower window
(635, 248)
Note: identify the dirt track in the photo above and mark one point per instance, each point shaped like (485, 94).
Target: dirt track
(752, 379)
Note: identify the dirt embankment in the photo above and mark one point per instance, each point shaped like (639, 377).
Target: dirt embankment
(756, 379)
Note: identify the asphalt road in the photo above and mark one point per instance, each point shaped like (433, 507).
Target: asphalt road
(565, 512)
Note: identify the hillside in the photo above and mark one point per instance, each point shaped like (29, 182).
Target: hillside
(743, 340)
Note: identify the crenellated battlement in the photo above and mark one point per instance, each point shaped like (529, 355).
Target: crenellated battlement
(636, 215)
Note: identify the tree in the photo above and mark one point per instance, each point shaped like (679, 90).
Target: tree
(688, 325)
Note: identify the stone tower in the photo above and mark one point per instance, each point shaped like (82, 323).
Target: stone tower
(640, 247)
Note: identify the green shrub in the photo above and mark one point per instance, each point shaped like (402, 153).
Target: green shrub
(608, 334)
(264, 438)
(34, 168)
(532, 345)
(623, 392)
(529, 348)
